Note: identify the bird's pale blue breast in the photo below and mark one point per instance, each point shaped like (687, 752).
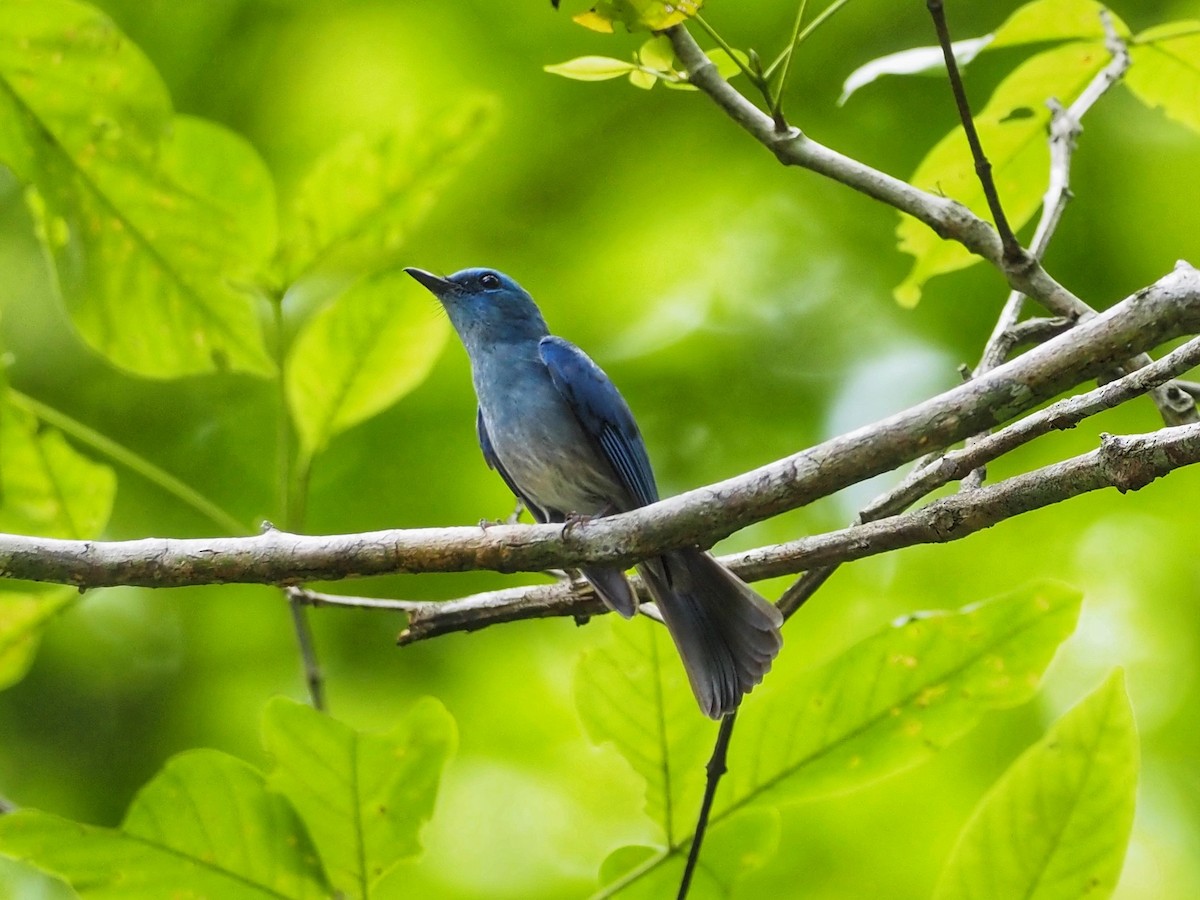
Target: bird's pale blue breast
(537, 438)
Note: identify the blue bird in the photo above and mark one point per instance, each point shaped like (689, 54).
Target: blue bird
(564, 441)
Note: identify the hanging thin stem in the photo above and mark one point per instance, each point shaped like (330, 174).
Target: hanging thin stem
(123, 456)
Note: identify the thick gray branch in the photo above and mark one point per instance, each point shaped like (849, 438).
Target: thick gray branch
(1126, 463)
(429, 619)
(1167, 309)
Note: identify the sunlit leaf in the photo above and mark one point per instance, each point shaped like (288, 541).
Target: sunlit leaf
(373, 344)
(23, 616)
(363, 797)
(733, 849)
(638, 15)
(915, 61)
(24, 881)
(1012, 128)
(157, 225)
(640, 78)
(360, 202)
(1043, 21)
(658, 53)
(895, 699)
(205, 826)
(633, 693)
(48, 488)
(592, 68)
(1166, 71)
(1056, 824)
(67, 69)
(1055, 20)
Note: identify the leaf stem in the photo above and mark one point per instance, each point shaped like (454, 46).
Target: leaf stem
(122, 455)
(754, 77)
(821, 18)
(776, 106)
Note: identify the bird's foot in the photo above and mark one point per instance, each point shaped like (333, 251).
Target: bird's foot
(572, 520)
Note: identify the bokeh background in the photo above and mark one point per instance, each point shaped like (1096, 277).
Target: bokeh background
(745, 311)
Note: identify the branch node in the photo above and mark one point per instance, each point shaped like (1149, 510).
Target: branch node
(1124, 464)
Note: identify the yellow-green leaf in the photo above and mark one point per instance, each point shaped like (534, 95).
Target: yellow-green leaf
(48, 488)
(361, 201)
(370, 346)
(1055, 20)
(363, 797)
(633, 693)
(158, 226)
(1012, 127)
(591, 68)
(638, 15)
(23, 616)
(1057, 823)
(1166, 71)
(896, 698)
(205, 826)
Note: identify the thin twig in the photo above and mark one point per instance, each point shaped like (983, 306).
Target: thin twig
(313, 676)
(947, 217)
(1013, 251)
(714, 770)
(1066, 124)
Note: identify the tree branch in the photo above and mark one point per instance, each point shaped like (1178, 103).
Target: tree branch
(1165, 310)
(432, 618)
(948, 218)
(1127, 463)
(1013, 251)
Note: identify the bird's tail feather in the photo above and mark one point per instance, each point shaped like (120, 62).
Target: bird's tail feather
(725, 632)
(613, 588)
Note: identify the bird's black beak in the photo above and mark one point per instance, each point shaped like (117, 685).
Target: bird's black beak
(439, 287)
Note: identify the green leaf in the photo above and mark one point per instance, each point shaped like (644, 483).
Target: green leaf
(360, 354)
(896, 698)
(361, 201)
(733, 849)
(592, 68)
(363, 797)
(1166, 71)
(47, 488)
(23, 616)
(658, 53)
(84, 86)
(633, 693)
(157, 225)
(640, 78)
(1055, 20)
(1012, 128)
(205, 826)
(638, 15)
(1043, 21)
(1057, 823)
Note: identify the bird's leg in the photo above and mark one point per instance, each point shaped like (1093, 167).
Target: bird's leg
(572, 519)
(515, 515)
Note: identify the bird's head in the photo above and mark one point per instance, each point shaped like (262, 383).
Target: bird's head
(485, 306)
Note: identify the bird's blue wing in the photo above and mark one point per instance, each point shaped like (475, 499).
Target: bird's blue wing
(603, 413)
(493, 461)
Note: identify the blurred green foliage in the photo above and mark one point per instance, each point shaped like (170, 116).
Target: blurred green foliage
(656, 236)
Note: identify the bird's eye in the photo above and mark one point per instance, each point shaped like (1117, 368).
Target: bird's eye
(489, 281)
